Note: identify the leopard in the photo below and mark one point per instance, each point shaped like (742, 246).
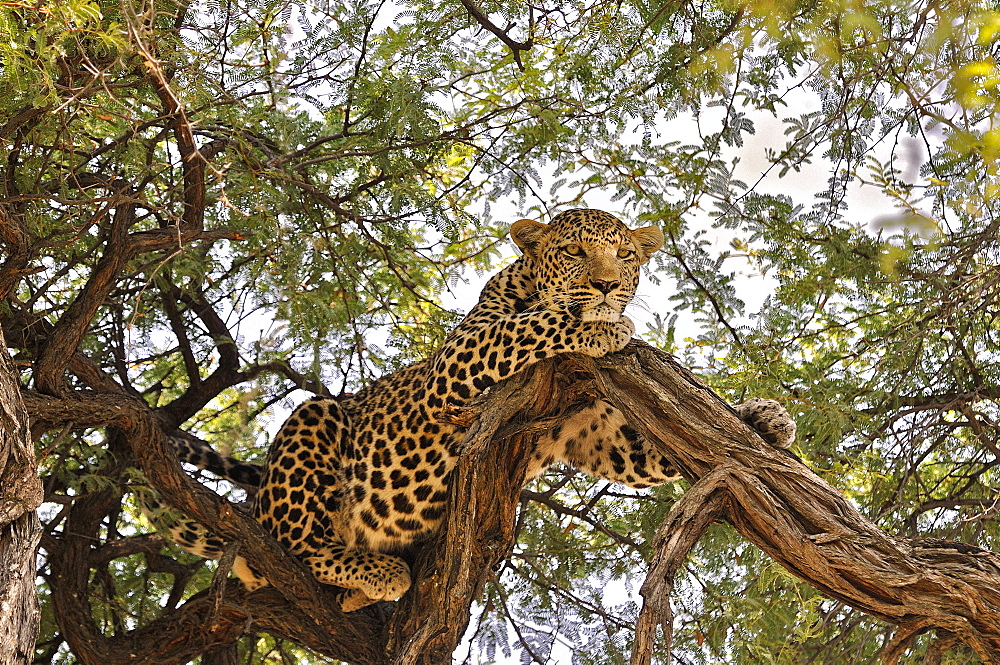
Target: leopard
(352, 484)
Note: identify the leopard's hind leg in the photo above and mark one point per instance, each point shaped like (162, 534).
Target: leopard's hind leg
(372, 575)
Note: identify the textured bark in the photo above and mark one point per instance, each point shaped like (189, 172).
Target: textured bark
(698, 509)
(20, 494)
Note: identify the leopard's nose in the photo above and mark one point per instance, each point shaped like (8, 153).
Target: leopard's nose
(605, 286)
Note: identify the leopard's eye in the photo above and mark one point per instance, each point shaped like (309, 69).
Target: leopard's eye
(625, 253)
(573, 250)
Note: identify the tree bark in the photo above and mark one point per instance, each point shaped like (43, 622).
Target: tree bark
(20, 531)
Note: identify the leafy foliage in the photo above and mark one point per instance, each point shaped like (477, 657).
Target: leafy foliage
(841, 157)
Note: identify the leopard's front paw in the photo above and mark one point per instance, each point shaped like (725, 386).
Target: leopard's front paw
(769, 419)
(373, 575)
(603, 337)
(354, 599)
(624, 329)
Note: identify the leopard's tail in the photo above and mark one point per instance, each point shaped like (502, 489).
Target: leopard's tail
(196, 452)
(188, 534)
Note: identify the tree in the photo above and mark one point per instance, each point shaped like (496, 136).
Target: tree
(20, 494)
(207, 208)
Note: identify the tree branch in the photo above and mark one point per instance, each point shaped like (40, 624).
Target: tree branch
(67, 334)
(15, 238)
(482, 19)
(805, 525)
(694, 512)
(20, 494)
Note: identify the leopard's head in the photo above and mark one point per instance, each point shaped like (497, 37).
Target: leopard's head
(586, 261)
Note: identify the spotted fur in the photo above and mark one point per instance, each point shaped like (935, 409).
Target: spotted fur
(352, 483)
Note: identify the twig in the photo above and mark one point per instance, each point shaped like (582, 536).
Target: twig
(515, 46)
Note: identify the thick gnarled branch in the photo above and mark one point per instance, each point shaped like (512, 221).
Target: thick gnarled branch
(804, 524)
(20, 494)
(690, 516)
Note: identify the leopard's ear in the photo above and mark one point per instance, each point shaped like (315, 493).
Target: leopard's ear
(648, 240)
(527, 234)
